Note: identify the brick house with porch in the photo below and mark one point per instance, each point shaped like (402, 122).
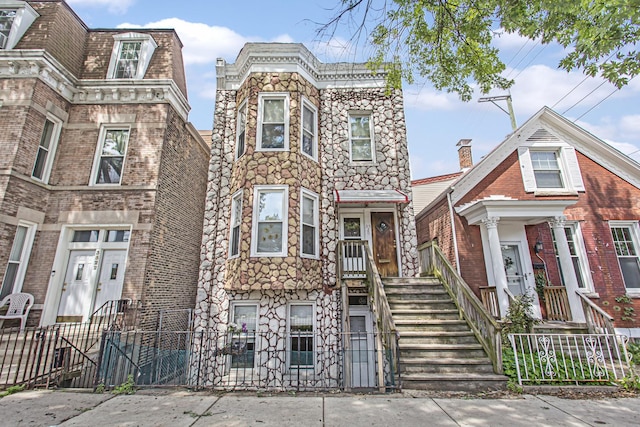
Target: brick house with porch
(102, 177)
(552, 206)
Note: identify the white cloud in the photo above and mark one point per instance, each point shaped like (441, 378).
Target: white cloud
(426, 99)
(504, 40)
(202, 43)
(113, 6)
(630, 127)
(540, 85)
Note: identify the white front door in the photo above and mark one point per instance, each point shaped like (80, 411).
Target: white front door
(77, 289)
(513, 268)
(111, 277)
(362, 360)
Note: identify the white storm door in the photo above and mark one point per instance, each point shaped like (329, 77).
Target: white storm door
(513, 268)
(111, 277)
(362, 361)
(77, 289)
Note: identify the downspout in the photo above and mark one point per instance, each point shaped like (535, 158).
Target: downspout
(453, 229)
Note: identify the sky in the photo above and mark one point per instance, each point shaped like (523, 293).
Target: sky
(436, 121)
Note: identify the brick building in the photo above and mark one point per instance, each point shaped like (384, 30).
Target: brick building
(102, 178)
(552, 207)
(304, 155)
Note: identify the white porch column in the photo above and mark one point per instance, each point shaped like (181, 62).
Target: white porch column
(568, 272)
(497, 264)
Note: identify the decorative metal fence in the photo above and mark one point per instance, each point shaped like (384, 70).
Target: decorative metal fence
(569, 359)
(243, 361)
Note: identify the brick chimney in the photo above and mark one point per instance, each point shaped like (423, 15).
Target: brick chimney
(464, 154)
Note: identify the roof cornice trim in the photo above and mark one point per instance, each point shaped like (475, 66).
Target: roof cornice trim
(40, 64)
(294, 58)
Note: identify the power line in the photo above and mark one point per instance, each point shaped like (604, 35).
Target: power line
(601, 101)
(584, 97)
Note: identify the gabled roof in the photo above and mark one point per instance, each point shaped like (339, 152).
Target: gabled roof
(426, 190)
(547, 123)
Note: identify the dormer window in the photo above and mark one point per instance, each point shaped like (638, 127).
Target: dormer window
(131, 55)
(549, 165)
(15, 19)
(6, 22)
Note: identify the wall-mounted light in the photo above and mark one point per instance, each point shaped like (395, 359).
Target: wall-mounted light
(537, 248)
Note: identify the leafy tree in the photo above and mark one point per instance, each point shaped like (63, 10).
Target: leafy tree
(449, 41)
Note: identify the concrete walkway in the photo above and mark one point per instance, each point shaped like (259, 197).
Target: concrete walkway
(181, 408)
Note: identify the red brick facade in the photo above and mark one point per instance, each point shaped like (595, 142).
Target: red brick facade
(606, 197)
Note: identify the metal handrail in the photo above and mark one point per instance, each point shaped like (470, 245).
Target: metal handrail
(598, 320)
(484, 326)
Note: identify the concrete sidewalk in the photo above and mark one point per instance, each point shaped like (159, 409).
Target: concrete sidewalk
(182, 408)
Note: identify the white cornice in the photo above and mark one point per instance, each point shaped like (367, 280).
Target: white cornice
(41, 65)
(506, 209)
(568, 132)
(294, 58)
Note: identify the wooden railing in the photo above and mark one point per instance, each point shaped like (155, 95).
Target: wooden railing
(355, 261)
(489, 297)
(598, 321)
(484, 326)
(557, 303)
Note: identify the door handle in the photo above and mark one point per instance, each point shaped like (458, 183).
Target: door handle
(64, 286)
(99, 287)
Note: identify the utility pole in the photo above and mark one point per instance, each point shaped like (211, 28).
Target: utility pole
(507, 98)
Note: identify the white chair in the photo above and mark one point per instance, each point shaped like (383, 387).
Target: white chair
(19, 306)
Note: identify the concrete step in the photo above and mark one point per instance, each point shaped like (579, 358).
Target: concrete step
(404, 294)
(403, 281)
(454, 382)
(566, 328)
(427, 304)
(431, 325)
(447, 365)
(443, 337)
(411, 350)
(443, 314)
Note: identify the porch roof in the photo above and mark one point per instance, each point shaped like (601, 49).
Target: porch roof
(506, 208)
(370, 196)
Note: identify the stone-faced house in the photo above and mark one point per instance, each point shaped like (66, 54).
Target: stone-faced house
(304, 155)
(102, 179)
(553, 206)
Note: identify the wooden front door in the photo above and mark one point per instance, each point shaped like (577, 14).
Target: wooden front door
(384, 243)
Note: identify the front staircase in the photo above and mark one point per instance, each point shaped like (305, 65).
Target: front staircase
(438, 350)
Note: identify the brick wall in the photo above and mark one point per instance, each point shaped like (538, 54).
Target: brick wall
(172, 270)
(59, 31)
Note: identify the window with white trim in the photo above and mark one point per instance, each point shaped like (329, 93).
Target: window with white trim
(18, 259)
(242, 334)
(578, 255)
(236, 222)
(273, 122)
(7, 16)
(46, 150)
(110, 156)
(15, 19)
(241, 130)
(546, 169)
(361, 147)
(625, 241)
(131, 56)
(270, 219)
(309, 233)
(301, 330)
(550, 169)
(309, 132)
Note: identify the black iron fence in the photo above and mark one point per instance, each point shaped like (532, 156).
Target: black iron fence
(244, 361)
(50, 355)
